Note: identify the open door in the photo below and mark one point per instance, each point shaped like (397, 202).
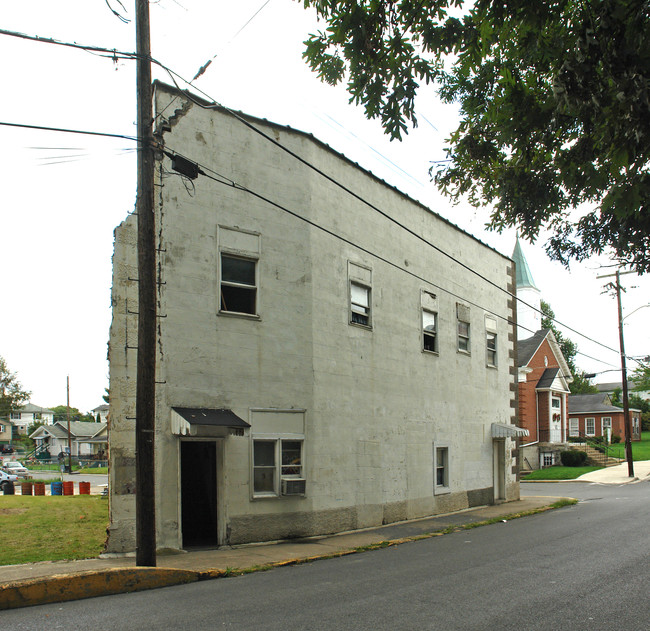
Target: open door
(199, 493)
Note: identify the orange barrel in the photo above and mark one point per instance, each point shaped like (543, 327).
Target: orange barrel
(84, 488)
(68, 488)
(39, 488)
(25, 488)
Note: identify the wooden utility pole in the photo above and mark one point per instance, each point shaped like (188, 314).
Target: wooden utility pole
(67, 405)
(145, 405)
(626, 404)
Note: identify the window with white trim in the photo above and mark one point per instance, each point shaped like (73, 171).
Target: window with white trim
(462, 327)
(607, 423)
(238, 284)
(590, 426)
(276, 460)
(491, 347)
(429, 331)
(440, 469)
(574, 427)
(556, 403)
(15, 416)
(359, 304)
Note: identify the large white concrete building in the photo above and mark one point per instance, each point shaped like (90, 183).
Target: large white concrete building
(319, 367)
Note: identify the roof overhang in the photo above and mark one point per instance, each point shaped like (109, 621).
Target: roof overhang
(207, 423)
(501, 430)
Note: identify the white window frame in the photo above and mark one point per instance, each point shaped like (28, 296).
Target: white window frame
(15, 416)
(428, 333)
(438, 450)
(357, 308)
(587, 420)
(224, 283)
(491, 352)
(604, 419)
(574, 427)
(559, 403)
(462, 337)
(547, 459)
(277, 441)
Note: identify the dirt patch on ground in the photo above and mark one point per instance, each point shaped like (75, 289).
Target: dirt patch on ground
(12, 511)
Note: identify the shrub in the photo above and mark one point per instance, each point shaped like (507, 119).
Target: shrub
(572, 458)
(616, 439)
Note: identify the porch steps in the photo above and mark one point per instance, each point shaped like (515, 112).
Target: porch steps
(594, 456)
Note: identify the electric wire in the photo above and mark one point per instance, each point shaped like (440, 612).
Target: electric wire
(224, 180)
(302, 160)
(213, 103)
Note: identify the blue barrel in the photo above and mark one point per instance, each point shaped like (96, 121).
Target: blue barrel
(57, 488)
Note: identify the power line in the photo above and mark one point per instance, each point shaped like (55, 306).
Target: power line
(331, 179)
(69, 131)
(213, 103)
(226, 181)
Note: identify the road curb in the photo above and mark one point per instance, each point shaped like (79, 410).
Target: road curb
(93, 583)
(59, 588)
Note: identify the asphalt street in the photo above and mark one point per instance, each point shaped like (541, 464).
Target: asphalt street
(580, 567)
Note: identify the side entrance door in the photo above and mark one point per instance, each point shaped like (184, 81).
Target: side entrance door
(199, 493)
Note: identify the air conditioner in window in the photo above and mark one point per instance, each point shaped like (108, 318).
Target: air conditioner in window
(293, 486)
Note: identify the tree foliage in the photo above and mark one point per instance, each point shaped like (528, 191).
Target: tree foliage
(61, 414)
(554, 102)
(12, 395)
(580, 383)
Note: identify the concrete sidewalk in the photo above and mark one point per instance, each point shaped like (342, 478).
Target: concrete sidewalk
(618, 474)
(40, 583)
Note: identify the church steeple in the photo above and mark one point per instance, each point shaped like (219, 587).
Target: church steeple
(524, 276)
(529, 319)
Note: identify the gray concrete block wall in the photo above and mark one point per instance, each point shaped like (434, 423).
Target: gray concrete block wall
(375, 403)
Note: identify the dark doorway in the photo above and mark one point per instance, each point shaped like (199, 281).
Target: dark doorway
(199, 493)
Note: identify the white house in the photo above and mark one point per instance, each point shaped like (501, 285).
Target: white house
(86, 439)
(102, 412)
(320, 366)
(28, 414)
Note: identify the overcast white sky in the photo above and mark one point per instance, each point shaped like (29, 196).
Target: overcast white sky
(63, 194)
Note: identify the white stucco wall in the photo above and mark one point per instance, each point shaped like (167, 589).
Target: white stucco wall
(372, 403)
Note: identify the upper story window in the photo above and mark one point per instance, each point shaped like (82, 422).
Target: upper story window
(429, 331)
(360, 284)
(556, 403)
(239, 274)
(491, 349)
(359, 304)
(238, 284)
(463, 336)
(15, 416)
(462, 315)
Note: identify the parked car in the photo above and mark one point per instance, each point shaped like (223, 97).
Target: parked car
(6, 449)
(16, 468)
(5, 479)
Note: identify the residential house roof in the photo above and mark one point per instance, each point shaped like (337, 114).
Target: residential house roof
(527, 348)
(548, 377)
(30, 407)
(78, 429)
(592, 404)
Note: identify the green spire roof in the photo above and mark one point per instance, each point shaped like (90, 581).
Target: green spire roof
(524, 277)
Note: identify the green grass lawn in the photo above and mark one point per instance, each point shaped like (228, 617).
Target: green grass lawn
(640, 449)
(558, 473)
(45, 528)
(97, 470)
